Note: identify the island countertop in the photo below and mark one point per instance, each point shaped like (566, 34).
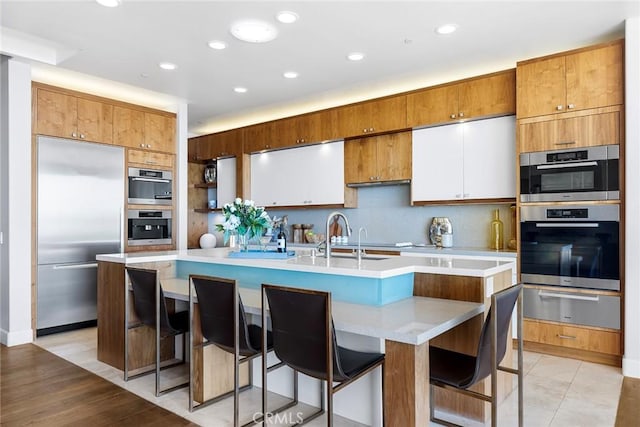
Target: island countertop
(388, 266)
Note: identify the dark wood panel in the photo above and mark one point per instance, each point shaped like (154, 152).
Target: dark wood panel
(458, 288)
(111, 314)
(406, 384)
(39, 388)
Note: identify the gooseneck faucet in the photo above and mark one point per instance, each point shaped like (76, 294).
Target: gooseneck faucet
(327, 251)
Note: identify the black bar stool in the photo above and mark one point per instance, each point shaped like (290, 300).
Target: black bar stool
(223, 323)
(457, 372)
(304, 339)
(150, 306)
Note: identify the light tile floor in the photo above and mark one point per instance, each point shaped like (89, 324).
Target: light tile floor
(558, 392)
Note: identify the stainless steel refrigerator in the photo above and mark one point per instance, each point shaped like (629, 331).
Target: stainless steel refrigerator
(80, 189)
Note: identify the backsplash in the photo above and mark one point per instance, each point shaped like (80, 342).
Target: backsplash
(385, 212)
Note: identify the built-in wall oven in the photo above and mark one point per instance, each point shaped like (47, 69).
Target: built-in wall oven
(570, 175)
(149, 227)
(149, 186)
(570, 254)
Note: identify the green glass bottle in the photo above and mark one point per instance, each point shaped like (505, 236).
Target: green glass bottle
(497, 232)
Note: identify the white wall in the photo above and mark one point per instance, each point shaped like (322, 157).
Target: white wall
(181, 176)
(15, 203)
(631, 359)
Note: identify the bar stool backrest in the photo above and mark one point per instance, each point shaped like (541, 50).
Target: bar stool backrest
(143, 282)
(299, 320)
(505, 303)
(215, 302)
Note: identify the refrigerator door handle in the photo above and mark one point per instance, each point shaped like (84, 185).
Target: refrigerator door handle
(75, 266)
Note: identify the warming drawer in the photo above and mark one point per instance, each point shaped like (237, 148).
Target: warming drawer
(578, 308)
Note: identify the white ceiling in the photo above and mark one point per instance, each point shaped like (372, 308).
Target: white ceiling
(402, 50)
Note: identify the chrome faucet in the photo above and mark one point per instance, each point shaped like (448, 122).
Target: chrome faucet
(327, 251)
(360, 251)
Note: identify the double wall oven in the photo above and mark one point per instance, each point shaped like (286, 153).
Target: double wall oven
(570, 252)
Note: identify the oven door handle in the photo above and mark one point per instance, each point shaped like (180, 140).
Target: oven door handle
(595, 298)
(567, 165)
(151, 180)
(567, 225)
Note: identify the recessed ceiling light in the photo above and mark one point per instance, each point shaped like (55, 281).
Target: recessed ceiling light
(109, 3)
(254, 31)
(446, 29)
(287, 17)
(217, 44)
(168, 66)
(240, 89)
(355, 56)
(290, 74)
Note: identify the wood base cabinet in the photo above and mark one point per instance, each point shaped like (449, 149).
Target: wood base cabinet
(592, 344)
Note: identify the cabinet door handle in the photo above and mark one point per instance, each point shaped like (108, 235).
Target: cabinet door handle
(148, 145)
(571, 106)
(371, 129)
(364, 130)
(371, 178)
(559, 107)
(461, 115)
(141, 145)
(73, 134)
(568, 296)
(458, 196)
(453, 116)
(565, 143)
(82, 136)
(465, 195)
(566, 337)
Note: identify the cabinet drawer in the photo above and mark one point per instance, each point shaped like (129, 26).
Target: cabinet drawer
(149, 158)
(582, 131)
(608, 342)
(580, 308)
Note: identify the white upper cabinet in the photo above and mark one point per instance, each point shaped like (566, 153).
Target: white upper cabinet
(304, 176)
(465, 161)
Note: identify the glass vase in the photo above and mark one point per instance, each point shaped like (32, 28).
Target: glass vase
(243, 242)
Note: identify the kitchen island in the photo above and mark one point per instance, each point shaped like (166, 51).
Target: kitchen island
(399, 286)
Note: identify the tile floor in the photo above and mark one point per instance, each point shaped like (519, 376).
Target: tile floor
(558, 392)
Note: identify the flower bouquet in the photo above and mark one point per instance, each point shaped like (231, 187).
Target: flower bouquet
(244, 218)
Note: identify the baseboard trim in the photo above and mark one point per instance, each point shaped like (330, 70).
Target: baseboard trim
(572, 353)
(630, 367)
(16, 337)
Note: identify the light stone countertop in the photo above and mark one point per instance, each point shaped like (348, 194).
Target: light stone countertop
(386, 267)
(413, 320)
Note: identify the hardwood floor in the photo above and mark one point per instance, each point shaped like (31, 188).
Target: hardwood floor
(629, 405)
(39, 388)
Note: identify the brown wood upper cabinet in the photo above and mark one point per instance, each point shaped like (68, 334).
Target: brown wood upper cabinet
(261, 137)
(67, 116)
(143, 130)
(577, 80)
(580, 130)
(372, 117)
(378, 158)
(485, 96)
(221, 144)
(307, 129)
